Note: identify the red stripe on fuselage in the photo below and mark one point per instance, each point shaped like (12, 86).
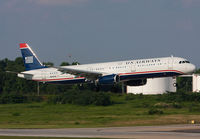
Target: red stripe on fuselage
(151, 72)
(61, 79)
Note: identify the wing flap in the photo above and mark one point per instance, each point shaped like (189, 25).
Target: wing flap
(13, 72)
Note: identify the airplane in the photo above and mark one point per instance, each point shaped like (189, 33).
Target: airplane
(130, 72)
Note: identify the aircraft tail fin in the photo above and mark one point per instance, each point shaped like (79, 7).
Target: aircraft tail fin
(30, 59)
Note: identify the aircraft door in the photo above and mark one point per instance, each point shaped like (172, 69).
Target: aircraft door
(90, 69)
(170, 63)
(133, 67)
(43, 75)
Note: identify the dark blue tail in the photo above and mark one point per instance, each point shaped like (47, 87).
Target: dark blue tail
(30, 59)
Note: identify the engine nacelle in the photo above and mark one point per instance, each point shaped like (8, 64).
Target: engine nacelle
(108, 79)
(138, 82)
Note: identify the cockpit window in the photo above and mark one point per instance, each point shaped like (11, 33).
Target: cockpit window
(181, 62)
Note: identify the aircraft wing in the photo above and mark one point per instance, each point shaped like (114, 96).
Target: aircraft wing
(83, 73)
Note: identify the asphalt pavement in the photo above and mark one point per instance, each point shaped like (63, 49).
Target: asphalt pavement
(136, 132)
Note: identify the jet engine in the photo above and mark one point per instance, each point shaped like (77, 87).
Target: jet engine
(138, 82)
(109, 79)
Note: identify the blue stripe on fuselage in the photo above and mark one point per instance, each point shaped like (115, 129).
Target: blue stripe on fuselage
(148, 75)
(75, 81)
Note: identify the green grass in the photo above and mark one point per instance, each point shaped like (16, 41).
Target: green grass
(126, 111)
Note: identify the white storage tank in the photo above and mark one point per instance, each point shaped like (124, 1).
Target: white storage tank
(155, 86)
(196, 82)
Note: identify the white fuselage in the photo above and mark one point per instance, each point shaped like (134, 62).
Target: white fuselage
(128, 70)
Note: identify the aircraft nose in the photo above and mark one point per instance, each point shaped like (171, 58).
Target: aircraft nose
(192, 68)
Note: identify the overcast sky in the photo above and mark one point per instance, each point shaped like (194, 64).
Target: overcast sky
(101, 30)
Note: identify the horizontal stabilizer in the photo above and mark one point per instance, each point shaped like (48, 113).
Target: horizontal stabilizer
(13, 72)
